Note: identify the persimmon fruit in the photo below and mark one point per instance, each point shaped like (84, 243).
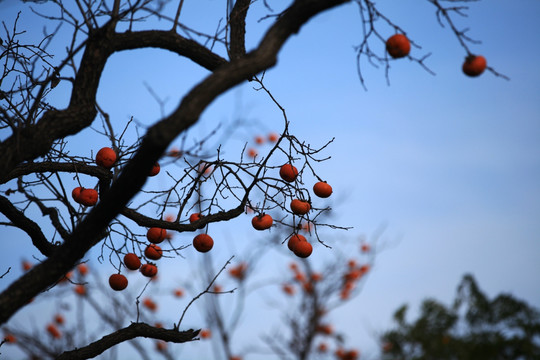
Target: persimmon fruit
(10, 339)
(322, 189)
(106, 157)
(288, 172)
(205, 334)
(252, 153)
(288, 289)
(26, 265)
(155, 170)
(53, 331)
(300, 207)
(88, 197)
(153, 252)
(474, 65)
(76, 194)
(80, 290)
(82, 269)
(149, 270)
(294, 240)
(59, 319)
(303, 249)
(398, 46)
(132, 261)
(273, 137)
(194, 217)
(118, 282)
(262, 222)
(156, 235)
(150, 304)
(203, 243)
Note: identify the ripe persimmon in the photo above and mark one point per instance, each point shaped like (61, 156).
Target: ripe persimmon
(273, 137)
(132, 261)
(288, 172)
(153, 252)
(83, 269)
(88, 197)
(155, 170)
(288, 289)
(300, 207)
(262, 222)
(149, 270)
(53, 331)
(205, 334)
(474, 65)
(303, 249)
(175, 152)
(203, 243)
(150, 304)
(10, 339)
(106, 157)
(26, 265)
(194, 217)
(161, 346)
(259, 140)
(76, 194)
(118, 282)
(239, 271)
(80, 290)
(398, 46)
(59, 319)
(322, 189)
(325, 329)
(156, 235)
(322, 347)
(294, 240)
(252, 153)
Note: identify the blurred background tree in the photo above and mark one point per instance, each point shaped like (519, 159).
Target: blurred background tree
(474, 327)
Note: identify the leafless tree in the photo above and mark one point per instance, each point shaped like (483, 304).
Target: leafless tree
(38, 173)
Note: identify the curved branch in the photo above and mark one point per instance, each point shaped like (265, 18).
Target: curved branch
(168, 40)
(25, 224)
(49, 166)
(143, 220)
(132, 331)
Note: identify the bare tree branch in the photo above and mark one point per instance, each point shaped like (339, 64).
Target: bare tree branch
(132, 331)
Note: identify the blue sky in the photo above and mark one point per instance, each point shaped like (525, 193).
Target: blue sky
(451, 164)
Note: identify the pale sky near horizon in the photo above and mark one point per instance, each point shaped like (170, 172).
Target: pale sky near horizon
(450, 164)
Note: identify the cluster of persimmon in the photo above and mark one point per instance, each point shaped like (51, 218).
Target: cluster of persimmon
(52, 329)
(82, 269)
(260, 140)
(297, 243)
(58, 320)
(340, 353)
(354, 273)
(132, 262)
(307, 283)
(399, 46)
(105, 158)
